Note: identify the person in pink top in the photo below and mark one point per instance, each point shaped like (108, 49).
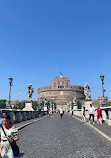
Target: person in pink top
(99, 115)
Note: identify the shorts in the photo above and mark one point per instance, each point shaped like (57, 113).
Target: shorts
(99, 116)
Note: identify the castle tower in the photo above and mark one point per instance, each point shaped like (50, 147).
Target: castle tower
(61, 92)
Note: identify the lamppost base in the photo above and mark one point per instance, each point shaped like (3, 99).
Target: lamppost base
(8, 106)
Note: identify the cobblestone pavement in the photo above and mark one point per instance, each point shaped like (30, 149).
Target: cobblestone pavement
(66, 138)
(104, 127)
(24, 122)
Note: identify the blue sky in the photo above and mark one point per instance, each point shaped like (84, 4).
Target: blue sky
(40, 38)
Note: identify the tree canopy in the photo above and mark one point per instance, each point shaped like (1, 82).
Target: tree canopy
(2, 104)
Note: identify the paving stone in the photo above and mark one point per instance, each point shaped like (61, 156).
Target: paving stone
(24, 122)
(102, 127)
(62, 138)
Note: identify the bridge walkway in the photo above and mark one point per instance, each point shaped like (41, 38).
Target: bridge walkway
(62, 138)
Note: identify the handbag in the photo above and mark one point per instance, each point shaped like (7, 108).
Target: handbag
(13, 145)
(15, 148)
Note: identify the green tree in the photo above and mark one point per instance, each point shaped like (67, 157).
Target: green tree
(35, 105)
(78, 104)
(51, 104)
(108, 103)
(15, 107)
(48, 104)
(55, 106)
(42, 104)
(20, 106)
(2, 104)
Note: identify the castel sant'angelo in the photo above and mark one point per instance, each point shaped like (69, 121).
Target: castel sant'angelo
(61, 92)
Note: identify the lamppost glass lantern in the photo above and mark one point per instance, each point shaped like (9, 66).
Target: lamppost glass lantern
(10, 80)
(102, 77)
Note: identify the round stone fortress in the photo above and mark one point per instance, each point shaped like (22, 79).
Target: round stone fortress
(61, 92)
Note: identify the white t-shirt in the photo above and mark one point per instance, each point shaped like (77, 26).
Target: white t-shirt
(91, 110)
(61, 111)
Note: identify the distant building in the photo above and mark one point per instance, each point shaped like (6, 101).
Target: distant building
(14, 102)
(98, 101)
(61, 92)
(109, 100)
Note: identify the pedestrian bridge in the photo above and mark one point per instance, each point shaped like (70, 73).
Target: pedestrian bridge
(62, 138)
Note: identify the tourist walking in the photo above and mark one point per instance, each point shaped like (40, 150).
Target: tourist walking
(50, 113)
(61, 111)
(99, 114)
(8, 136)
(39, 112)
(83, 113)
(91, 112)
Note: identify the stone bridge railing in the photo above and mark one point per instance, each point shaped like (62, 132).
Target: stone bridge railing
(18, 116)
(106, 114)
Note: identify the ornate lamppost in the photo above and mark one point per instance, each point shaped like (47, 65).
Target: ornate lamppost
(103, 90)
(10, 83)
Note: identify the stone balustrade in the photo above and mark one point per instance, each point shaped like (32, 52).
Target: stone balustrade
(18, 116)
(106, 114)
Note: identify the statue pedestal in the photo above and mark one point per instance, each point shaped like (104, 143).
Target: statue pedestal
(75, 107)
(28, 106)
(45, 108)
(7, 106)
(70, 109)
(87, 103)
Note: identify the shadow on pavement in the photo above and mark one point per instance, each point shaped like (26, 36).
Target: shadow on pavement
(21, 154)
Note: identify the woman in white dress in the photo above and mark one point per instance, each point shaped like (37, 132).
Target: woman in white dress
(12, 135)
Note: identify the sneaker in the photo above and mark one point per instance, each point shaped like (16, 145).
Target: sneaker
(97, 121)
(93, 123)
(89, 121)
(101, 123)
